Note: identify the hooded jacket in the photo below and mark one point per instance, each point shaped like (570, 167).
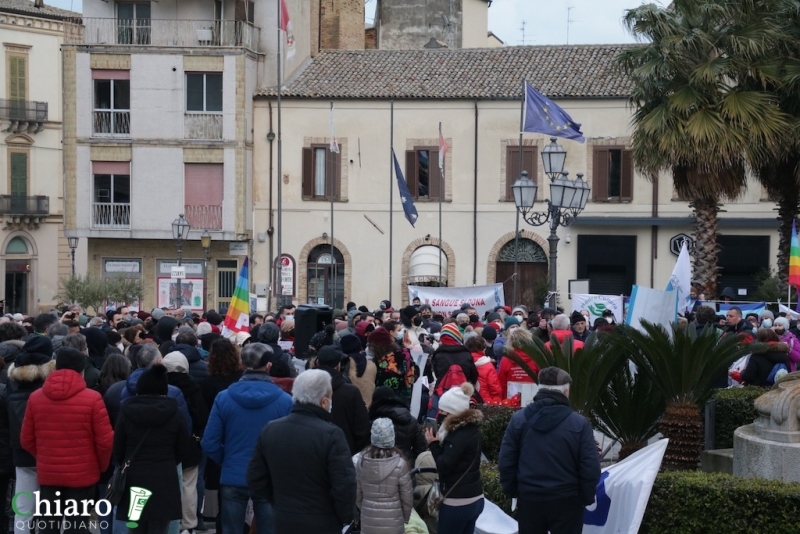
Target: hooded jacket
(130, 391)
(269, 334)
(238, 415)
(9, 351)
(762, 360)
(458, 453)
(164, 328)
(23, 381)
(548, 452)
(198, 368)
(96, 342)
(67, 430)
(490, 389)
(511, 372)
(384, 494)
(794, 349)
(561, 335)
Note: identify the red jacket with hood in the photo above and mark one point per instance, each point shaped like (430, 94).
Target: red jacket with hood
(487, 378)
(67, 430)
(511, 372)
(561, 335)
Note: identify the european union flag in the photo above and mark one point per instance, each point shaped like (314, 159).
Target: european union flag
(542, 115)
(405, 196)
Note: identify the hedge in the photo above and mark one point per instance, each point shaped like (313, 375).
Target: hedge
(734, 409)
(695, 502)
(495, 421)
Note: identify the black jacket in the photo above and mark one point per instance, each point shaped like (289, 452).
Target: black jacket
(155, 465)
(96, 342)
(269, 334)
(9, 351)
(198, 368)
(447, 355)
(113, 398)
(457, 456)
(6, 460)
(761, 362)
(548, 452)
(349, 412)
(407, 435)
(312, 487)
(23, 381)
(212, 385)
(198, 411)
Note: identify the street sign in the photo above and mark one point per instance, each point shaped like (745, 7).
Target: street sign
(177, 272)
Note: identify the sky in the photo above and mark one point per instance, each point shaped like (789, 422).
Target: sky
(545, 21)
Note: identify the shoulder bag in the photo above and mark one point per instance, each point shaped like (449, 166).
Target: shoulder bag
(435, 499)
(116, 484)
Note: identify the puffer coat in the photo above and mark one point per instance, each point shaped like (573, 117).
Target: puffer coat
(384, 494)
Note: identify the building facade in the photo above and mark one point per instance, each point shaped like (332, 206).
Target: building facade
(34, 253)
(338, 238)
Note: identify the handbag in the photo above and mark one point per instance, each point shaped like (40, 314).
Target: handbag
(116, 484)
(435, 499)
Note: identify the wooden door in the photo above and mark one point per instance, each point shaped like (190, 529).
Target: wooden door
(531, 277)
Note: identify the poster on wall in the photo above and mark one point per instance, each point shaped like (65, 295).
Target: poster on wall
(285, 276)
(446, 299)
(191, 295)
(597, 304)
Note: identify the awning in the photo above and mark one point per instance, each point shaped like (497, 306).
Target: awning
(423, 266)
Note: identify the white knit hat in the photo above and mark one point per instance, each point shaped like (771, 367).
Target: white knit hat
(176, 362)
(456, 399)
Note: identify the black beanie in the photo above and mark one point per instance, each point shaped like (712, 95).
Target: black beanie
(350, 344)
(214, 318)
(576, 317)
(489, 333)
(153, 381)
(69, 358)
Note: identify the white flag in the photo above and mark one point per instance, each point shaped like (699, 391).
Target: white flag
(334, 143)
(651, 305)
(623, 492)
(681, 279)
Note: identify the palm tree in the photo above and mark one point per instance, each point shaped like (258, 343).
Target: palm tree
(682, 365)
(697, 109)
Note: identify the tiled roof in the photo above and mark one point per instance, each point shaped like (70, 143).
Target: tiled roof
(26, 7)
(580, 71)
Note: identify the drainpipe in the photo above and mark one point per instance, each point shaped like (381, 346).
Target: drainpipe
(475, 205)
(270, 228)
(654, 233)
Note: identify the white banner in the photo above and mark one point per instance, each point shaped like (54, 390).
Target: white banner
(652, 305)
(597, 304)
(788, 311)
(446, 299)
(623, 492)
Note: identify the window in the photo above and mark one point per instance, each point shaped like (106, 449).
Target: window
(422, 173)
(529, 163)
(203, 194)
(204, 92)
(612, 178)
(19, 174)
(111, 196)
(112, 106)
(322, 173)
(133, 23)
(608, 262)
(17, 86)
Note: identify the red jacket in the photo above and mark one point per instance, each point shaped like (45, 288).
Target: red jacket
(67, 430)
(487, 378)
(561, 335)
(511, 372)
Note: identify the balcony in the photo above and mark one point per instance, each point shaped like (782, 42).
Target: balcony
(204, 217)
(202, 126)
(111, 216)
(108, 123)
(164, 33)
(23, 115)
(20, 211)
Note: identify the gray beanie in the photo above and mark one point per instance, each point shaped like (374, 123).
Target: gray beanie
(383, 433)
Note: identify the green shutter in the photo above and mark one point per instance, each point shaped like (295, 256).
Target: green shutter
(16, 77)
(19, 173)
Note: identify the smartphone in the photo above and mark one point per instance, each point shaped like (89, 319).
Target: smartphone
(432, 424)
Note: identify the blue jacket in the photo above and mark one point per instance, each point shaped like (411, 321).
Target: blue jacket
(237, 417)
(548, 452)
(130, 391)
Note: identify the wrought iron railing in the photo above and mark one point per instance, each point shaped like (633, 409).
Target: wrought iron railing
(164, 32)
(111, 215)
(24, 205)
(202, 126)
(204, 217)
(112, 123)
(23, 110)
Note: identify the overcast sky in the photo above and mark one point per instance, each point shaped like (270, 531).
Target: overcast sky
(593, 21)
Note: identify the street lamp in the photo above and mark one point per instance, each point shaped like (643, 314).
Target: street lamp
(73, 244)
(567, 199)
(180, 231)
(205, 241)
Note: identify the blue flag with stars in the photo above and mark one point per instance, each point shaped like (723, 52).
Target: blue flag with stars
(406, 199)
(542, 115)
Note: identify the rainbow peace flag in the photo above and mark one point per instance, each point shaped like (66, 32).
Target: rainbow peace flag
(238, 317)
(794, 259)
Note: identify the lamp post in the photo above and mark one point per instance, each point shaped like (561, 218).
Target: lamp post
(205, 241)
(567, 199)
(73, 244)
(180, 231)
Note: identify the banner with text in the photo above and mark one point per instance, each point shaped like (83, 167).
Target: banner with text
(597, 304)
(446, 299)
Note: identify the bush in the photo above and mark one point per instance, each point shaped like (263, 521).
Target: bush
(734, 409)
(704, 502)
(495, 421)
(492, 489)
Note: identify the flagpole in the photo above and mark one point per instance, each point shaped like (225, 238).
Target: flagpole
(280, 158)
(332, 177)
(441, 193)
(391, 193)
(519, 169)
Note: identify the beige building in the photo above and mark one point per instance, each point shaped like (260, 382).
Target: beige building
(622, 238)
(34, 252)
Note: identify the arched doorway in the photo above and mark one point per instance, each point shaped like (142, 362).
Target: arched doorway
(325, 281)
(531, 269)
(18, 271)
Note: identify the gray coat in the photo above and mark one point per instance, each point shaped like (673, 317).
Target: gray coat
(384, 494)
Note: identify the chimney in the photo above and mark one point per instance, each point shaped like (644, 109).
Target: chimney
(38, 3)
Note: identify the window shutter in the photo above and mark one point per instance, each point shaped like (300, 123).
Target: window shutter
(529, 164)
(411, 172)
(204, 184)
(626, 179)
(336, 161)
(16, 76)
(600, 174)
(308, 173)
(512, 170)
(19, 174)
(434, 175)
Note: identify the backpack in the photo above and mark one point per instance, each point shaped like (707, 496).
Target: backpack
(453, 378)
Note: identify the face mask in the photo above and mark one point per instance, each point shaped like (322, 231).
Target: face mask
(174, 336)
(330, 406)
(474, 319)
(417, 321)
(399, 336)
(767, 323)
(780, 331)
